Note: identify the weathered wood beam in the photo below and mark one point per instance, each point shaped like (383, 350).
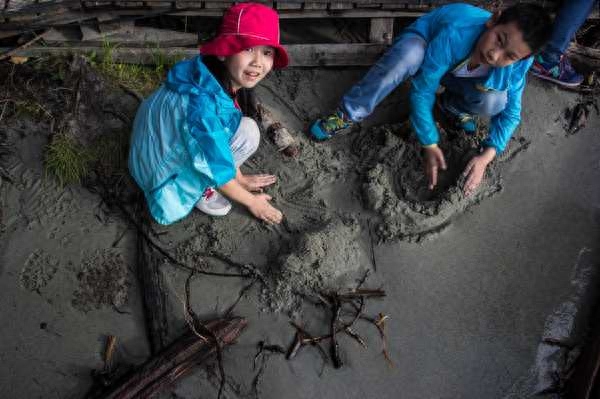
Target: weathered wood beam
(585, 381)
(381, 30)
(584, 55)
(177, 360)
(301, 55)
(154, 295)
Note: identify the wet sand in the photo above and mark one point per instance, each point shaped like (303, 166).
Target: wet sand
(470, 282)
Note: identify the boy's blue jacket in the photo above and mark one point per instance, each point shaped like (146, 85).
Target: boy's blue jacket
(180, 141)
(451, 33)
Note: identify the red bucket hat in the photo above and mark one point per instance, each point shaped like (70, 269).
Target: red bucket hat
(246, 25)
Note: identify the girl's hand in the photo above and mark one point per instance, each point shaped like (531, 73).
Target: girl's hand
(255, 183)
(263, 210)
(475, 170)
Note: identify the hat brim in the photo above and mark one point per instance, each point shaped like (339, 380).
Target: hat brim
(225, 45)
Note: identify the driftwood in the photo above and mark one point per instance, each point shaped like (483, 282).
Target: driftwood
(349, 303)
(278, 133)
(301, 55)
(585, 382)
(587, 56)
(177, 360)
(153, 292)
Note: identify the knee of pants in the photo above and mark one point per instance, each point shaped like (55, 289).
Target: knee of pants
(491, 103)
(250, 136)
(401, 61)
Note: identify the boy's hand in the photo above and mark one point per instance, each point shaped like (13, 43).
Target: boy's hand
(434, 160)
(263, 210)
(475, 170)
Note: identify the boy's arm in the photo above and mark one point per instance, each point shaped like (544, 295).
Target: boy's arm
(504, 124)
(436, 62)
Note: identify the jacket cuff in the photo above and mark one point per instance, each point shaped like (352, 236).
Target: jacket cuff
(488, 143)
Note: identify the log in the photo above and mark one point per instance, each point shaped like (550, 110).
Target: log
(171, 364)
(278, 133)
(381, 30)
(153, 293)
(587, 56)
(301, 55)
(585, 381)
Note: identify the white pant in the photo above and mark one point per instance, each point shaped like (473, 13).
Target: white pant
(245, 141)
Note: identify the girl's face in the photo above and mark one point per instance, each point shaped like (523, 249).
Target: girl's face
(250, 66)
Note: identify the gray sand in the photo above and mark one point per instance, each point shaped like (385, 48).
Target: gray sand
(468, 307)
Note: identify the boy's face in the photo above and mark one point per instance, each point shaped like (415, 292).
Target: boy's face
(250, 66)
(500, 45)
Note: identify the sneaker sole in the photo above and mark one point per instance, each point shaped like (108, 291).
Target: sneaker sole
(554, 80)
(319, 135)
(218, 213)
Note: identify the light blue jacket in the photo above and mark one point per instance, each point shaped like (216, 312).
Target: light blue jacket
(451, 33)
(180, 141)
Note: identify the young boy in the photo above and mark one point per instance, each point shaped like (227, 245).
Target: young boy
(481, 59)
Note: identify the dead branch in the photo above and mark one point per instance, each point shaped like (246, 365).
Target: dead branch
(335, 348)
(261, 352)
(301, 338)
(175, 361)
(240, 296)
(278, 133)
(202, 331)
(23, 46)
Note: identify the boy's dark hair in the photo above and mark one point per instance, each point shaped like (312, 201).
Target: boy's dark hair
(533, 21)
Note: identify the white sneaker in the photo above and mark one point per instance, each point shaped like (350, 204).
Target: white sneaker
(213, 203)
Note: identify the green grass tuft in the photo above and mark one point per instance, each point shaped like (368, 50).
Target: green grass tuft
(67, 160)
(141, 78)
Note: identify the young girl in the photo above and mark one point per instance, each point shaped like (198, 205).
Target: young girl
(190, 138)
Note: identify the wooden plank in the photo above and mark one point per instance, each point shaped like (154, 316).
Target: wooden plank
(301, 55)
(584, 55)
(339, 5)
(314, 13)
(585, 382)
(154, 294)
(315, 6)
(9, 33)
(288, 6)
(381, 30)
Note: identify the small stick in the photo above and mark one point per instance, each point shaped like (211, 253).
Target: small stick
(335, 347)
(303, 336)
(372, 249)
(380, 324)
(293, 350)
(23, 46)
(362, 293)
(240, 296)
(109, 351)
(356, 337)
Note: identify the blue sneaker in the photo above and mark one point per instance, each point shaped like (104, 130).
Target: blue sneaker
(561, 72)
(457, 120)
(325, 128)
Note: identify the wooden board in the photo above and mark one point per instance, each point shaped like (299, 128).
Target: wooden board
(301, 55)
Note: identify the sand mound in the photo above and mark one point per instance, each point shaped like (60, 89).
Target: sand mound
(325, 259)
(395, 187)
